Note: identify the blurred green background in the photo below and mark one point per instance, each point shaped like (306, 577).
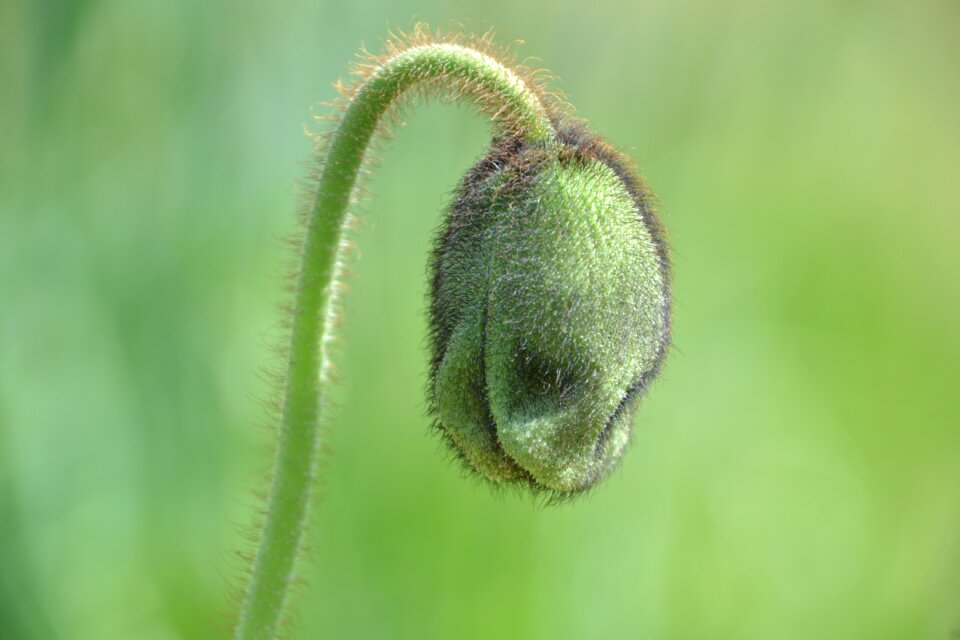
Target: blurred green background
(795, 472)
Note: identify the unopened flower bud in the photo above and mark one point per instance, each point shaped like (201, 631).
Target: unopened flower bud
(550, 311)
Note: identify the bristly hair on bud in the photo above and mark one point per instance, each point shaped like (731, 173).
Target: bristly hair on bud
(549, 312)
(550, 294)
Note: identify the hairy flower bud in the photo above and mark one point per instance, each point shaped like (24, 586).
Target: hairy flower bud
(550, 311)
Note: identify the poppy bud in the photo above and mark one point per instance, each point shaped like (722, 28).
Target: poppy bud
(549, 310)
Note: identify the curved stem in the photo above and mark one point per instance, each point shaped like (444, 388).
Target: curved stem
(513, 107)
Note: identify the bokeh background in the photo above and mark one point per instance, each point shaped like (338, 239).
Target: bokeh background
(795, 472)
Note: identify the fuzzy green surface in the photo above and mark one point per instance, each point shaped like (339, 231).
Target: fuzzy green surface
(550, 290)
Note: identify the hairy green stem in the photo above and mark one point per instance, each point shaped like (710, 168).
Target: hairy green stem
(513, 107)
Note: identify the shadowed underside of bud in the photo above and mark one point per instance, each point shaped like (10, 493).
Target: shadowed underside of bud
(550, 311)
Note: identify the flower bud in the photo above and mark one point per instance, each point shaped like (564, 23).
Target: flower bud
(550, 312)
